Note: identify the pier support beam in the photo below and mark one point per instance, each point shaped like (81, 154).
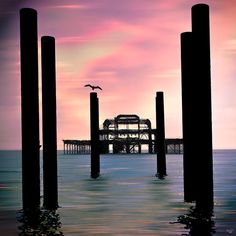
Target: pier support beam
(160, 135)
(29, 109)
(94, 129)
(50, 188)
(189, 113)
(203, 120)
(150, 149)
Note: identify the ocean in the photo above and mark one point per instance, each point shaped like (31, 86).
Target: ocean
(127, 199)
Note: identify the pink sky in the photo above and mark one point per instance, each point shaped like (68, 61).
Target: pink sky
(131, 49)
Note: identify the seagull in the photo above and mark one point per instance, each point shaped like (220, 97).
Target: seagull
(92, 87)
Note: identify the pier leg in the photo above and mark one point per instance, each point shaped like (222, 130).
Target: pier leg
(50, 195)
(139, 148)
(94, 129)
(150, 151)
(202, 74)
(160, 135)
(155, 142)
(29, 109)
(189, 114)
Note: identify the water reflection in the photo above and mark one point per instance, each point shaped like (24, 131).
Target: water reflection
(160, 176)
(198, 223)
(39, 222)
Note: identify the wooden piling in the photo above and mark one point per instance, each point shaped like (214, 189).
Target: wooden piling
(94, 129)
(50, 185)
(189, 113)
(160, 135)
(203, 121)
(29, 109)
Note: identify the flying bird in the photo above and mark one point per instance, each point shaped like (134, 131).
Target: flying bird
(92, 87)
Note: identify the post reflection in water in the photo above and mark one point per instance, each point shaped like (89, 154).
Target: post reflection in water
(198, 222)
(39, 222)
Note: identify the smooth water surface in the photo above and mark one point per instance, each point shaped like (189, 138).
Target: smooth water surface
(126, 200)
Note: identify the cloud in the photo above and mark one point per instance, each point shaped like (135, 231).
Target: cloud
(70, 40)
(230, 46)
(70, 6)
(130, 48)
(174, 73)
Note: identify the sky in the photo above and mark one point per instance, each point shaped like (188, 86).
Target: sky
(129, 48)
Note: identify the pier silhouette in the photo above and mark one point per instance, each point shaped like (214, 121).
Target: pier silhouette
(49, 123)
(160, 135)
(30, 115)
(196, 103)
(94, 130)
(29, 108)
(126, 133)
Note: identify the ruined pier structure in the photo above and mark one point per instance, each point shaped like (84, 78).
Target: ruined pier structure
(126, 133)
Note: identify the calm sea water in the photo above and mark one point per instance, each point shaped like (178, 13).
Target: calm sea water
(126, 200)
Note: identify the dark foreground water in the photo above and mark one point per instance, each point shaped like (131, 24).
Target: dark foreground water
(126, 200)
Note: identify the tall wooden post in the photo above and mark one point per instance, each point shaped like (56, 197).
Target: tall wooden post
(94, 129)
(29, 109)
(50, 195)
(202, 74)
(160, 135)
(189, 113)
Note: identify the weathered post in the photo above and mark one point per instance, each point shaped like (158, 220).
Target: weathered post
(202, 75)
(160, 135)
(94, 129)
(189, 113)
(29, 109)
(50, 188)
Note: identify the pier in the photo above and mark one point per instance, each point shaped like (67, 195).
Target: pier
(125, 134)
(77, 146)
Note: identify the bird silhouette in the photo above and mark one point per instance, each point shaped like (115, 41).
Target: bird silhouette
(92, 87)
